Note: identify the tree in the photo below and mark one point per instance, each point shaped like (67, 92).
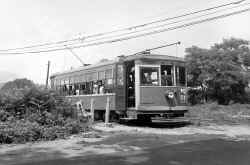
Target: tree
(220, 68)
(246, 59)
(22, 97)
(14, 90)
(18, 84)
(197, 59)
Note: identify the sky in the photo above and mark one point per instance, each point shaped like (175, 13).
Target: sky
(29, 22)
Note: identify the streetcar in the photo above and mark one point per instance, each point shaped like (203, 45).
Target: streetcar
(140, 86)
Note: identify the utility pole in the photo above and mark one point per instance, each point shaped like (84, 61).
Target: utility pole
(47, 77)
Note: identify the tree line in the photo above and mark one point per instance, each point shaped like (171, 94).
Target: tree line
(220, 73)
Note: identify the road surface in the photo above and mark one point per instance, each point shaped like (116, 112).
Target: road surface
(180, 146)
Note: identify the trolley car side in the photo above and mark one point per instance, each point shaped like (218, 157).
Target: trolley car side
(138, 86)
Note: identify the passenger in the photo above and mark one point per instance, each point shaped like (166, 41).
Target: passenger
(77, 92)
(169, 80)
(101, 89)
(74, 89)
(95, 89)
(164, 78)
(146, 78)
(131, 81)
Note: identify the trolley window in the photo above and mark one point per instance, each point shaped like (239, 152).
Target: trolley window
(167, 76)
(149, 76)
(109, 77)
(91, 76)
(182, 76)
(119, 74)
(101, 75)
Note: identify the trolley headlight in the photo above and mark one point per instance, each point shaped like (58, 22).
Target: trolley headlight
(171, 95)
(183, 91)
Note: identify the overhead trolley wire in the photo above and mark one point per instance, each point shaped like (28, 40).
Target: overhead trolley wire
(136, 36)
(159, 26)
(158, 47)
(123, 29)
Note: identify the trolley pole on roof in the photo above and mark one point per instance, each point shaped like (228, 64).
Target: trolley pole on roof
(147, 51)
(74, 54)
(163, 46)
(47, 77)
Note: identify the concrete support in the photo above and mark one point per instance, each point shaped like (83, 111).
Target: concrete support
(107, 111)
(92, 110)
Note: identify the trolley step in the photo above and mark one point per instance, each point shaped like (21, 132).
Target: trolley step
(170, 120)
(127, 119)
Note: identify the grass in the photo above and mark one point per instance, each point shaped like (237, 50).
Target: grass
(220, 114)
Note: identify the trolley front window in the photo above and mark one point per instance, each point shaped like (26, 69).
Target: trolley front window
(182, 76)
(167, 76)
(149, 76)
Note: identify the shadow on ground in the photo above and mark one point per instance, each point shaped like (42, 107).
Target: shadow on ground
(207, 152)
(156, 124)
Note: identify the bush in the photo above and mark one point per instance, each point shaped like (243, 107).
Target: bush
(3, 115)
(19, 132)
(35, 100)
(52, 133)
(195, 96)
(248, 95)
(36, 114)
(72, 126)
(45, 118)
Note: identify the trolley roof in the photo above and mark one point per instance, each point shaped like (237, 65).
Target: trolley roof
(122, 59)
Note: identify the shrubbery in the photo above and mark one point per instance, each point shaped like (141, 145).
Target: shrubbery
(21, 131)
(222, 96)
(195, 96)
(221, 70)
(36, 114)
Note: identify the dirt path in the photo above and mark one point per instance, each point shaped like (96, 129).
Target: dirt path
(119, 142)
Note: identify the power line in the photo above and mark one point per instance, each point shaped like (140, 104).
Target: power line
(133, 32)
(124, 29)
(158, 26)
(136, 36)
